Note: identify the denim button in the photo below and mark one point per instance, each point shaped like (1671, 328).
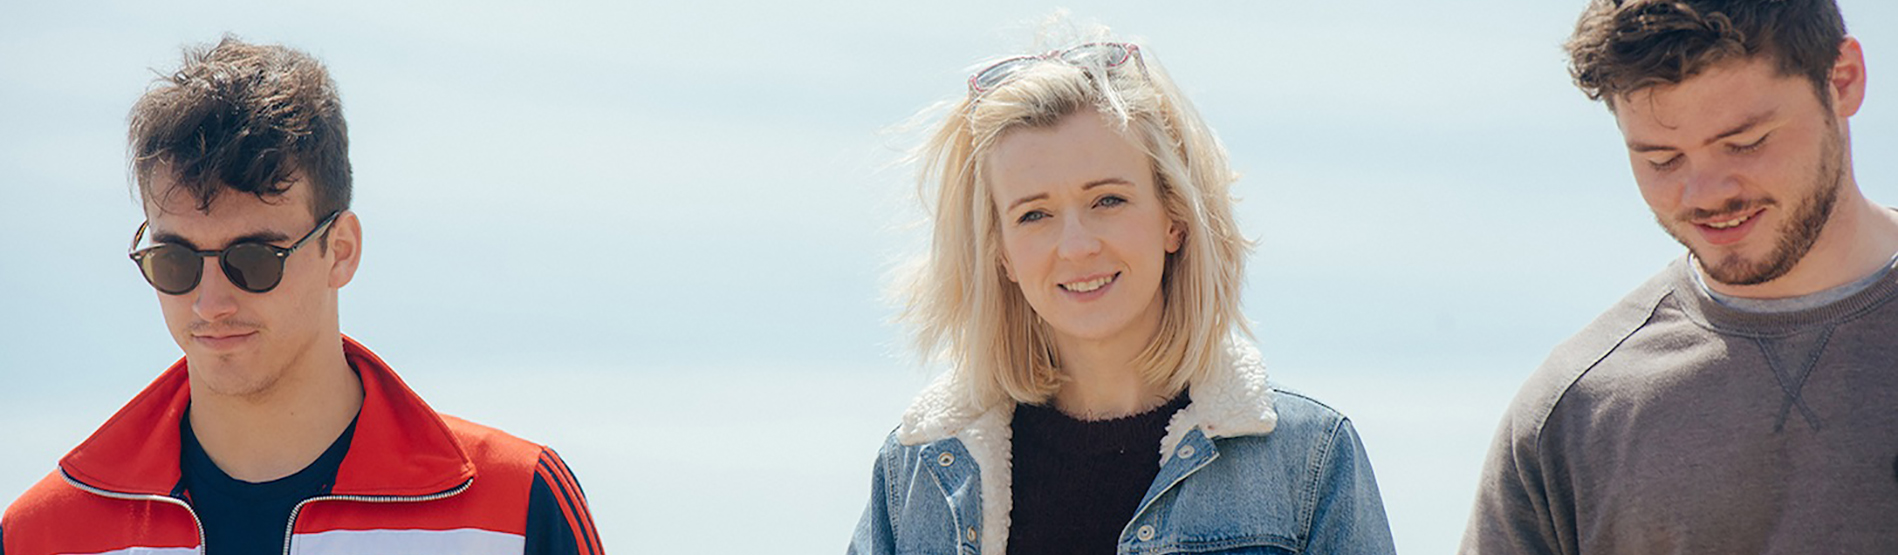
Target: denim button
(971, 533)
(946, 459)
(1145, 533)
(1186, 451)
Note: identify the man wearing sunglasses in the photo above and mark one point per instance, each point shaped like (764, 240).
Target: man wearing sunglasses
(276, 432)
(1745, 400)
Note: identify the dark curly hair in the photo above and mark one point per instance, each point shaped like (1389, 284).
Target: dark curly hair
(1623, 46)
(248, 118)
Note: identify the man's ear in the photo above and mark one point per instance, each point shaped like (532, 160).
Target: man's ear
(345, 248)
(1846, 83)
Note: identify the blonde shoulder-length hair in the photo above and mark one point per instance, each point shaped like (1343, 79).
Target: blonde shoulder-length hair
(959, 303)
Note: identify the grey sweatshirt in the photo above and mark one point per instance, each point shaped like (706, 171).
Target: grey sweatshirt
(1676, 424)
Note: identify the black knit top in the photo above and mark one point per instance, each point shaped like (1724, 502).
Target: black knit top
(1077, 482)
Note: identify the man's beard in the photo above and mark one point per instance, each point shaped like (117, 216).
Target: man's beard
(1796, 235)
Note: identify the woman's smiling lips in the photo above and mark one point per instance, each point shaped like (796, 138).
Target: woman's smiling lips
(1089, 287)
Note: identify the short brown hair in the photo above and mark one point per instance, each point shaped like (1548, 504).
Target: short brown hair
(1623, 46)
(250, 118)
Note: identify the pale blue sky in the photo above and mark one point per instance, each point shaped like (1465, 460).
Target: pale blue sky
(653, 234)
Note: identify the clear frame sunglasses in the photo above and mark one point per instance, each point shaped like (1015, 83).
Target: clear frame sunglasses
(1093, 54)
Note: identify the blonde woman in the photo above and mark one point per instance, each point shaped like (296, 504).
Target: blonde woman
(1082, 284)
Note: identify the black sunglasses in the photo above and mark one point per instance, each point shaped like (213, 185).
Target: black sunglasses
(252, 266)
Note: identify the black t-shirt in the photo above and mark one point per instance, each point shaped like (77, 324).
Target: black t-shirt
(1077, 483)
(246, 517)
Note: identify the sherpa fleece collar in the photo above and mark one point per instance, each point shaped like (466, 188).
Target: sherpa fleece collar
(1232, 401)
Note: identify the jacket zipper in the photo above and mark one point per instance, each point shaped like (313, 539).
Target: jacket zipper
(290, 528)
(142, 497)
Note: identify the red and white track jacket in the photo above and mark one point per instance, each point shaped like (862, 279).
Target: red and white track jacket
(414, 481)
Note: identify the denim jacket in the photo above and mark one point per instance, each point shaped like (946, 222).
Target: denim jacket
(1244, 468)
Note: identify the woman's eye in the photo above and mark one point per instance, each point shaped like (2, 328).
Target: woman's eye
(1110, 200)
(1031, 216)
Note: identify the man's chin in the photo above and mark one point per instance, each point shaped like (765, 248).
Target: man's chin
(228, 379)
(198, 354)
(1737, 271)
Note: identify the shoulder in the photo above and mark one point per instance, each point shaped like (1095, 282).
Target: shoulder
(492, 449)
(514, 478)
(514, 472)
(893, 445)
(1523, 493)
(1306, 427)
(1312, 456)
(1583, 352)
(1291, 488)
(1298, 411)
(896, 457)
(949, 461)
(506, 464)
(49, 502)
(54, 516)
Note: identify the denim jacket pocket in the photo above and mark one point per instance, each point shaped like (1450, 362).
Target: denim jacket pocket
(1305, 488)
(1196, 506)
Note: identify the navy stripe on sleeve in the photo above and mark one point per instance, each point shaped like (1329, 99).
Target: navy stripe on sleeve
(558, 521)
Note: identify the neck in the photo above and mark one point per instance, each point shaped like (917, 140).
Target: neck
(1860, 238)
(277, 432)
(1102, 380)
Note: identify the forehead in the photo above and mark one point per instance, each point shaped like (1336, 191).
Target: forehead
(1079, 148)
(1715, 99)
(176, 210)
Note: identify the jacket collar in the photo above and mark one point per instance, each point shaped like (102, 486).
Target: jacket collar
(401, 447)
(1232, 400)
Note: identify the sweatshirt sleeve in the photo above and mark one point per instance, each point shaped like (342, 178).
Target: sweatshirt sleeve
(1516, 509)
(558, 521)
(1526, 497)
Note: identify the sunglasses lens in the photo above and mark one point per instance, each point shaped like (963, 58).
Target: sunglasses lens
(1096, 55)
(996, 74)
(253, 267)
(171, 268)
